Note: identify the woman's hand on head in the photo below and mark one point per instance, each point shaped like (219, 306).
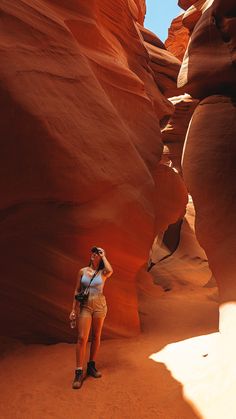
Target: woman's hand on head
(101, 252)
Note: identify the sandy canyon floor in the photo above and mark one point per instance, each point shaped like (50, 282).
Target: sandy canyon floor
(163, 373)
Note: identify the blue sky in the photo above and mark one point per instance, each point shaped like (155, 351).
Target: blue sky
(159, 15)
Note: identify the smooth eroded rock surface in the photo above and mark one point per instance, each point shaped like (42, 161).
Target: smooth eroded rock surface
(178, 38)
(209, 167)
(210, 147)
(204, 72)
(164, 64)
(173, 134)
(80, 142)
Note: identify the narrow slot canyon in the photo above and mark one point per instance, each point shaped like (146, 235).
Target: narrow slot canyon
(113, 137)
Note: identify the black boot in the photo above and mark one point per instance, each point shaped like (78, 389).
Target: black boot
(78, 380)
(91, 370)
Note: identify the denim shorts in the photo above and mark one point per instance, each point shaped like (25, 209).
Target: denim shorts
(95, 306)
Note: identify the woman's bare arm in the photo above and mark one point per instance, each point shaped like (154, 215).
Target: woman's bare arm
(107, 270)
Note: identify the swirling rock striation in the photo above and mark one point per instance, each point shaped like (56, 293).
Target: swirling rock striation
(173, 134)
(210, 150)
(178, 38)
(164, 64)
(80, 146)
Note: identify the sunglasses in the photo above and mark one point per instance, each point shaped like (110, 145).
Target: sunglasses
(95, 250)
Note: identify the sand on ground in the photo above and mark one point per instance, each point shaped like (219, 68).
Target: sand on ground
(137, 381)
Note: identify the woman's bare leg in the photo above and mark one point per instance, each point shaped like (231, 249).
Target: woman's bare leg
(97, 324)
(84, 324)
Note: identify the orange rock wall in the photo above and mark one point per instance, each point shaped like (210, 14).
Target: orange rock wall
(210, 150)
(163, 63)
(173, 134)
(80, 145)
(185, 4)
(203, 72)
(178, 38)
(179, 260)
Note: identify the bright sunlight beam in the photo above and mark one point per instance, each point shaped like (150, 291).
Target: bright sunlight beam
(208, 381)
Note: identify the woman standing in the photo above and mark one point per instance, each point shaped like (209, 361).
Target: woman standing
(91, 313)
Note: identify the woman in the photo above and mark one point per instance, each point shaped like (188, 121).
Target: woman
(92, 312)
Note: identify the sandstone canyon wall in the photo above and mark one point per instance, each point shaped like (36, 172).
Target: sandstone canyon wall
(208, 73)
(178, 37)
(80, 152)
(176, 258)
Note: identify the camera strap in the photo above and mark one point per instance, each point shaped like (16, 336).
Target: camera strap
(95, 273)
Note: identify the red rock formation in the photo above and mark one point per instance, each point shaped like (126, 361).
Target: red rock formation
(150, 37)
(178, 38)
(172, 196)
(138, 8)
(203, 72)
(164, 64)
(210, 151)
(193, 14)
(185, 4)
(173, 134)
(208, 168)
(177, 257)
(80, 146)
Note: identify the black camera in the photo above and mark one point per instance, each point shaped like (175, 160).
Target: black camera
(95, 250)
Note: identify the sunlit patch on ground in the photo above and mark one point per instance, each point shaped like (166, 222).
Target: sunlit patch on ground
(205, 374)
